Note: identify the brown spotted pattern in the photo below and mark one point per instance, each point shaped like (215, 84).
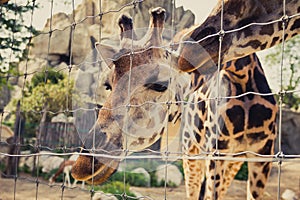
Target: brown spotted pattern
(243, 120)
(244, 123)
(241, 36)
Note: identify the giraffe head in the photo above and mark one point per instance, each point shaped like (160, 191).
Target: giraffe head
(134, 115)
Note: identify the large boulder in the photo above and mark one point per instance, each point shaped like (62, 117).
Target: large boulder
(174, 176)
(46, 162)
(143, 172)
(59, 40)
(80, 43)
(50, 163)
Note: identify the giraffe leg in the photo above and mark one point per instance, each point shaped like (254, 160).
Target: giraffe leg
(257, 179)
(258, 172)
(231, 169)
(214, 179)
(219, 176)
(194, 176)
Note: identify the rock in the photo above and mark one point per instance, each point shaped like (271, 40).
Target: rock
(289, 195)
(81, 44)
(62, 67)
(174, 176)
(83, 82)
(71, 120)
(87, 8)
(60, 118)
(138, 195)
(146, 175)
(94, 31)
(46, 162)
(103, 196)
(59, 41)
(28, 161)
(52, 162)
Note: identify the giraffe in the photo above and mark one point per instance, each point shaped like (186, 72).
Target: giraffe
(243, 32)
(245, 122)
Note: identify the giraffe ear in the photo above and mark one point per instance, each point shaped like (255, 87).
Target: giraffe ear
(106, 53)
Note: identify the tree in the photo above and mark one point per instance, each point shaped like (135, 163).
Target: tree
(291, 70)
(52, 89)
(15, 36)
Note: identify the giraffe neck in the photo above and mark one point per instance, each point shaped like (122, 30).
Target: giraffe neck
(240, 38)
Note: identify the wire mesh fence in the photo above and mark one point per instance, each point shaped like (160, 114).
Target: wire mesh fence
(74, 132)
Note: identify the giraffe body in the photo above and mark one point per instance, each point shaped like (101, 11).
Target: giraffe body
(245, 123)
(130, 120)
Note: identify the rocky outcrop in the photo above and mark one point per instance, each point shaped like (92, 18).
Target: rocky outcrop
(75, 36)
(55, 49)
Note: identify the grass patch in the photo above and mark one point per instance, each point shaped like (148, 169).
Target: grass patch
(116, 188)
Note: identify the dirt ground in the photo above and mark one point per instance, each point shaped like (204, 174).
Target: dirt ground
(290, 179)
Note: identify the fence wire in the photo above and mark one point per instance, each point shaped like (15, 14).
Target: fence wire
(65, 151)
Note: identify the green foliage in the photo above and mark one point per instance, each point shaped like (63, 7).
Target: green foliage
(2, 166)
(51, 76)
(149, 165)
(116, 188)
(291, 73)
(53, 92)
(242, 173)
(162, 184)
(25, 169)
(153, 181)
(15, 35)
(132, 179)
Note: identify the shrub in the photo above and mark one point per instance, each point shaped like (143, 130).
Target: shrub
(132, 179)
(243, 172)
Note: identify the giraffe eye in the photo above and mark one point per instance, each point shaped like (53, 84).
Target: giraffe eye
(107, 86)
(158, 86)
